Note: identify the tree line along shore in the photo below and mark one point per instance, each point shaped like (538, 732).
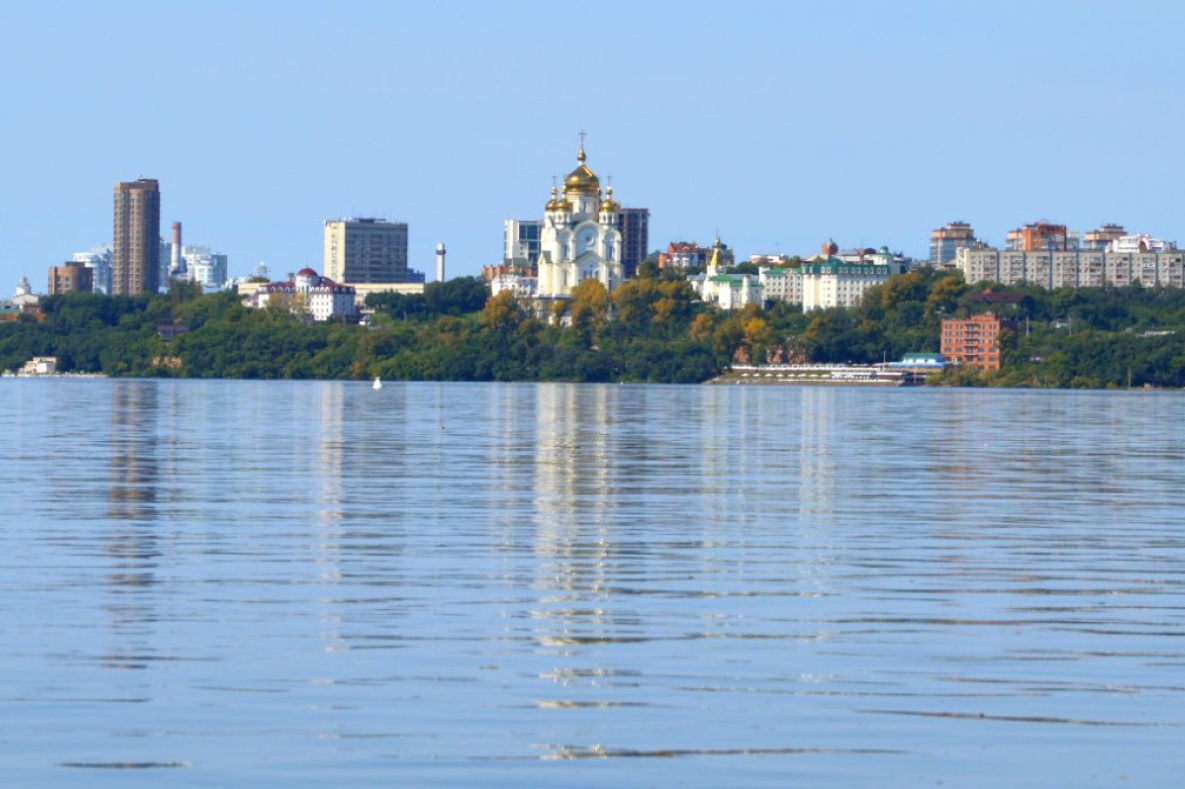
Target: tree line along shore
(651, 329)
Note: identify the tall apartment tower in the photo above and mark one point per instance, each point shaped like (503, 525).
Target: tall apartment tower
(135, 259)
(634, 224)
(1041, 237)
(365, 251)
(1101, 238)
(948, 240)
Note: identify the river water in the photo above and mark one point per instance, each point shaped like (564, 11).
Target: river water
(315, 584)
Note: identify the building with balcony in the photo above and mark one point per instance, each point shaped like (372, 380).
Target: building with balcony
(1140, 243)
(974, 342)
(780, 283)
(1041, 236)
(947, 240)
(1077, 268)
(1101, 238)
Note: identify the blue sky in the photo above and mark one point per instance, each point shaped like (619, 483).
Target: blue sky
(779, 123)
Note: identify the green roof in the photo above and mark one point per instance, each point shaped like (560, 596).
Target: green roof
(834, 265)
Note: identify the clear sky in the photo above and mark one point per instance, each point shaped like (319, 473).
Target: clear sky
(780, 124)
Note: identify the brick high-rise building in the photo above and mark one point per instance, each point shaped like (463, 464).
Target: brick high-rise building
(71, 277)
(1044, 236)
(974, 342)
(135, 263)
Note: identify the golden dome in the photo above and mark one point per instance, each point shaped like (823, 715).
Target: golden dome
(610, 206)
(557, 204)
(582, 181)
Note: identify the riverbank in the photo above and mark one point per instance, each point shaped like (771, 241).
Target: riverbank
(43, 376)
(646, 331)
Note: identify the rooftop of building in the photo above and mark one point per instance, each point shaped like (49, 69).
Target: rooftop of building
(139, 183)
(830, 264)
(989, 296)
(365, 220)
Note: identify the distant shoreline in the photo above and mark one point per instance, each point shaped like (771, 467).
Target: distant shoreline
(727, 379)
(43, 376)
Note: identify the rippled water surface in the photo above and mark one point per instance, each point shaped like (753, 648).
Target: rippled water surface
(318, 584)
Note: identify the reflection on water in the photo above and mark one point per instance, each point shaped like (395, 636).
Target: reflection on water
(131, 543)
(661, 585)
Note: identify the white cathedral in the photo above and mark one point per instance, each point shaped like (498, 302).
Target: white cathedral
(579, 238)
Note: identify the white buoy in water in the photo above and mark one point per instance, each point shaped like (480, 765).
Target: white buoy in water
(377, 383)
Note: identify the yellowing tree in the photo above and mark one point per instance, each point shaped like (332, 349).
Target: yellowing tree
(590, 308)
(502, 313)
(758, 336)
(633, 301)
(702, 327)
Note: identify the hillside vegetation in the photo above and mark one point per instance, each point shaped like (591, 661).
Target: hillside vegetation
(650, 329)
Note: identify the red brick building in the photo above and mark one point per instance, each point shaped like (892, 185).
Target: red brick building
(974, 342)
(1041, 236)
(71, 277)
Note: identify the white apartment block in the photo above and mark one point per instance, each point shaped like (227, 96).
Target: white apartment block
(1074, 268)
(1140, 242)
(520, 240)
(780, 283)
(205, 267)
(99, 259)
(835, 283)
